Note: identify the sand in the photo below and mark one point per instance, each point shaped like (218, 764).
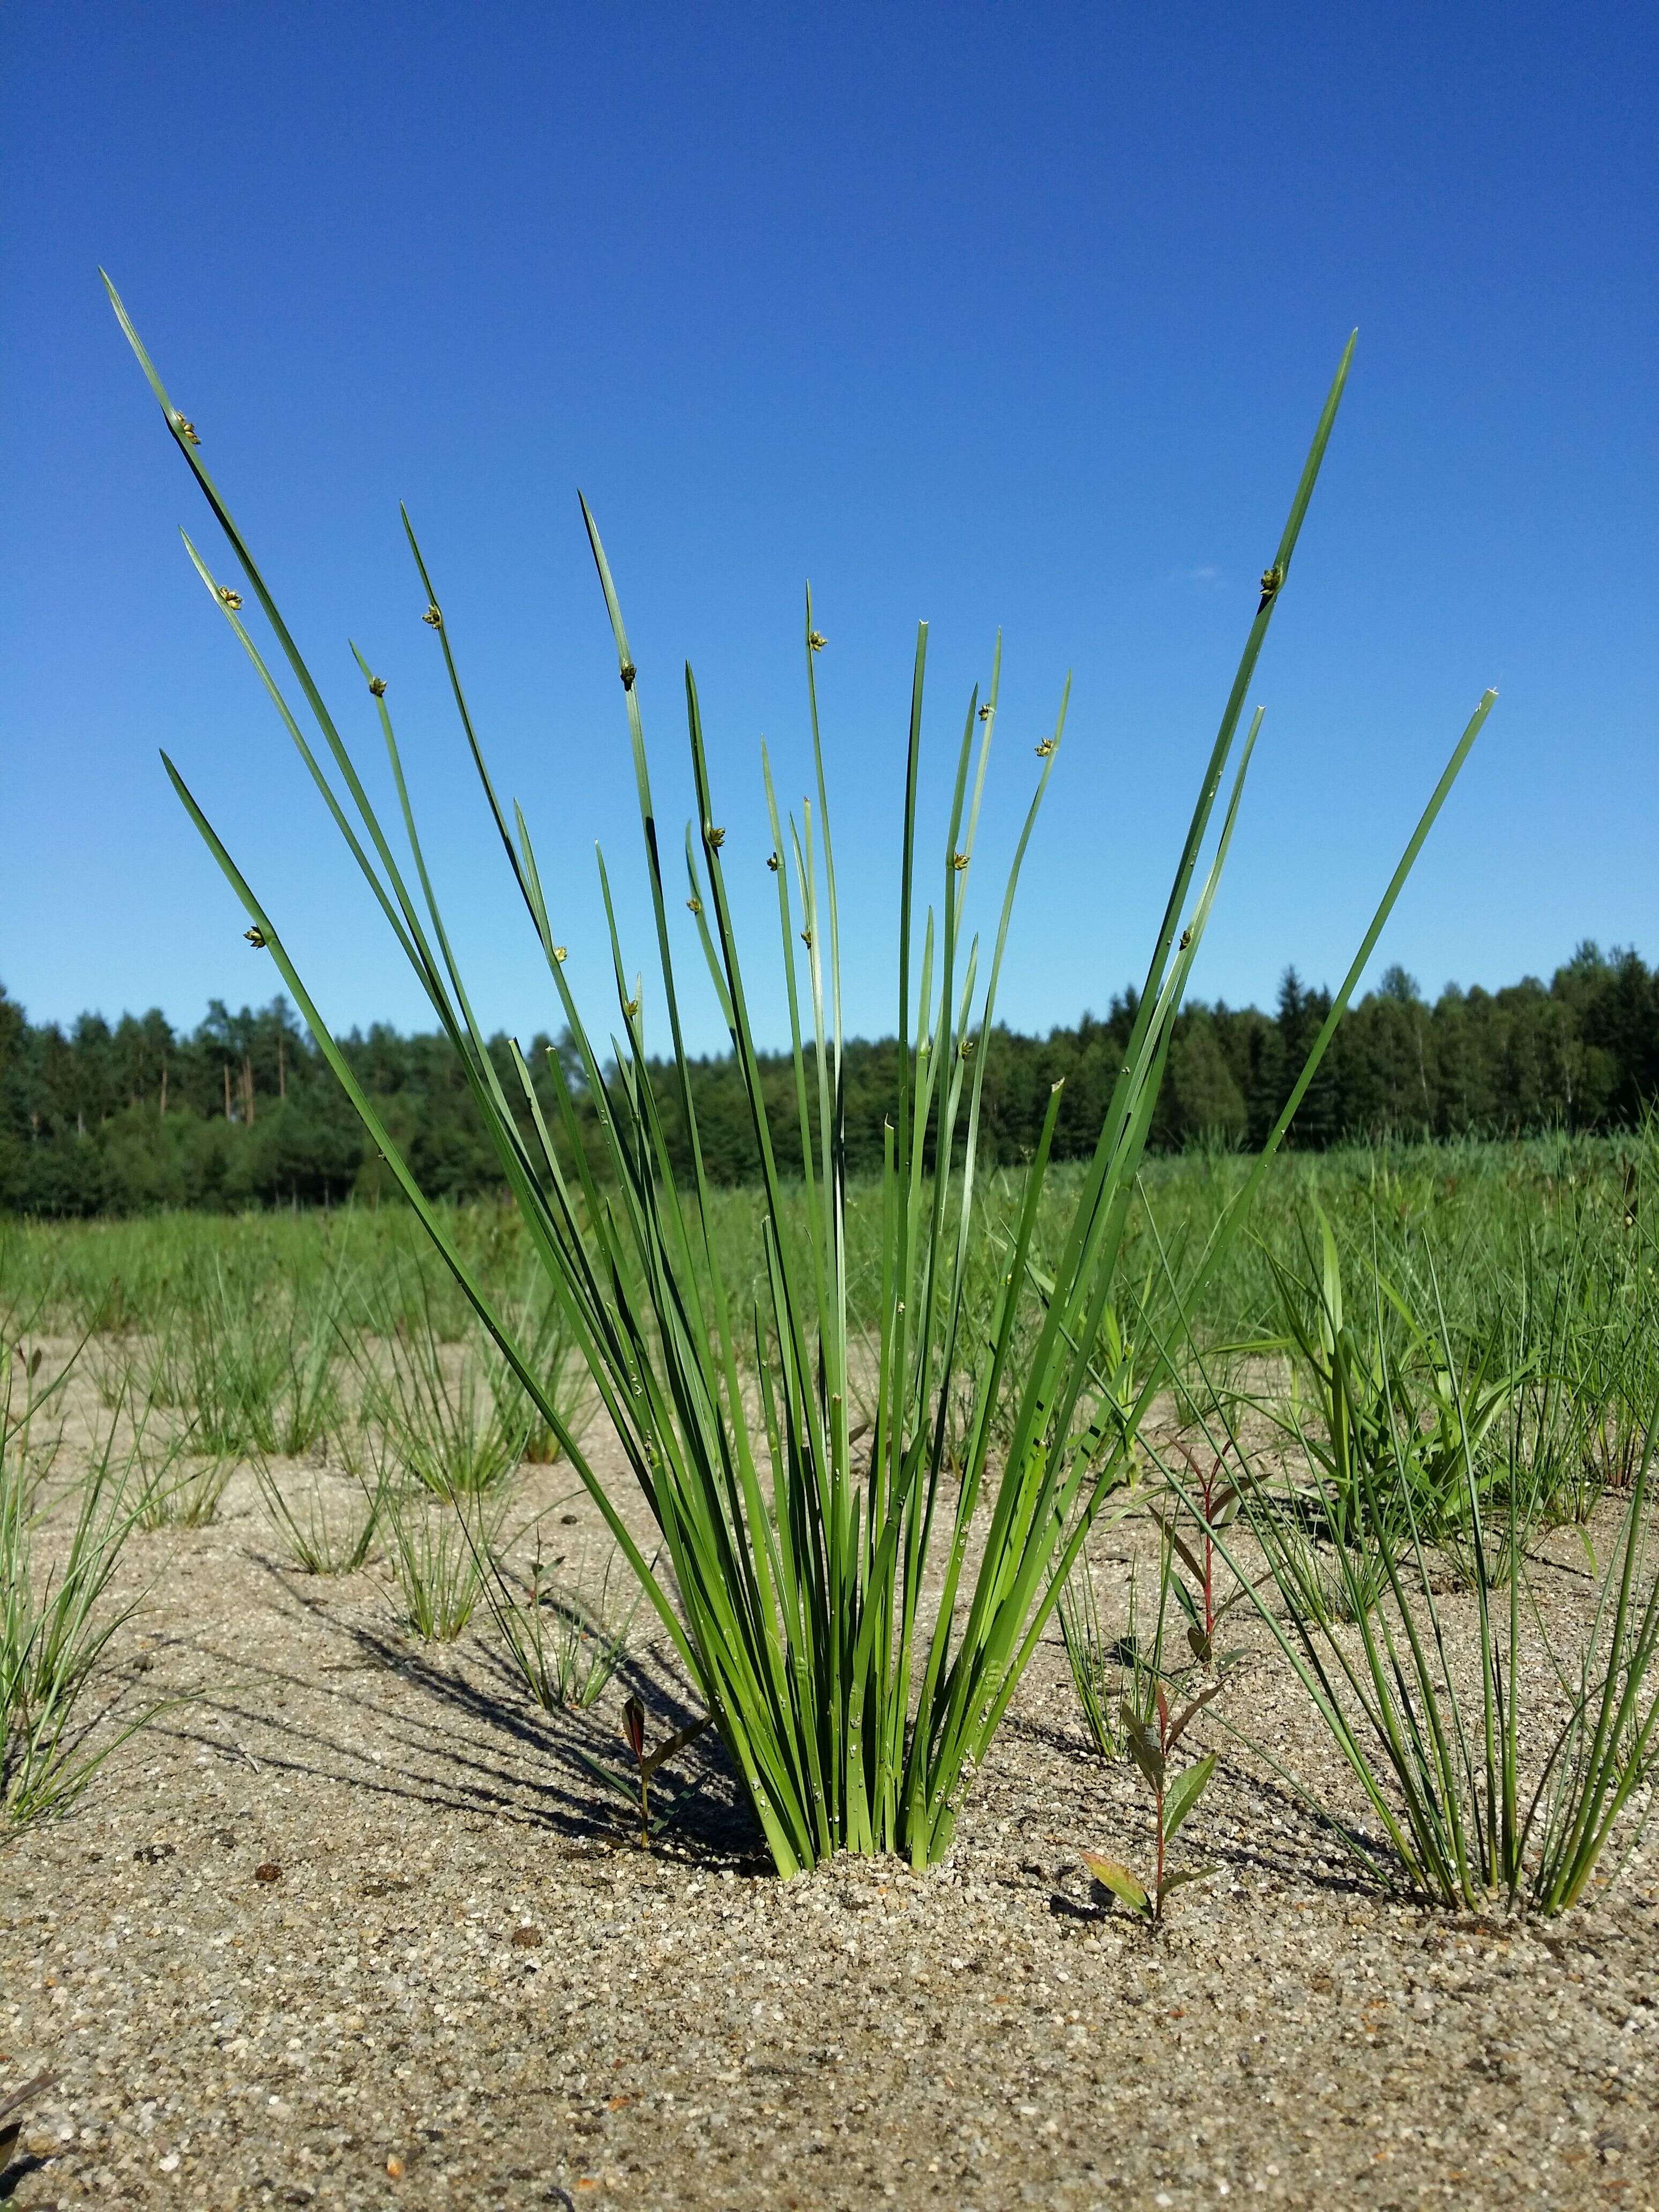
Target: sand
(348, 1924)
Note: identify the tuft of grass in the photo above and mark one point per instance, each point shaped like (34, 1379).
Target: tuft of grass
(797, 1592)
(177, 1491)
(437, 1564)
(56, 1622)
(1442, 1768)
(565, 1651)
(453, 1417)
(320, 1536)
(260, 1376)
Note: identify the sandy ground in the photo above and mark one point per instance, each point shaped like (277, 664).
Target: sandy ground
(349, 1924)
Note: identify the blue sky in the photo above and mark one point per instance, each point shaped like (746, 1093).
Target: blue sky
(982, 314)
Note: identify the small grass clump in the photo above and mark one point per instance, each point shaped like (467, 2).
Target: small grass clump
(564, 1649)
(321, 1535)
(1463, 1807)
(452, 1416)
(56, 1619)
(438, 1561)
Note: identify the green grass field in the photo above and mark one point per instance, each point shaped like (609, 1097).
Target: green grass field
(1496, 1222)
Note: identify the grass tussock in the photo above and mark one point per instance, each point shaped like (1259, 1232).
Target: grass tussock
(855, 1702)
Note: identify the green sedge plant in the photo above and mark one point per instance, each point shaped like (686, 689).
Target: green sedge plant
(451, 1416)
(854, 1622)
(436, 1559)
(1402, 1421)
(322, 1534)
(1500, 1780)
(57, 1621)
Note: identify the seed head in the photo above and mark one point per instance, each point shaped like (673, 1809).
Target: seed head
(958, 861)
(816, 640)
(559, 953)
(969, 1046)
(432, 617)
(1271, 580)
(229, 598)
(772, 862)
(628, 673)
(1186, 939)
(631, 1008)
(256, 938)
(186, 430)
(717, 838)
(985, 711)
(806, 938)
(694, 904)
(377, 686)
(1045, 749)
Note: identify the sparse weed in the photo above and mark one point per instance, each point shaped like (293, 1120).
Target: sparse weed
(177, 1489)
(1400, 1427)
(453, 1417)
(1440, 1767)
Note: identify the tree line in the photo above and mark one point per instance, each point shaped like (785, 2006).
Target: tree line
(130, 1115)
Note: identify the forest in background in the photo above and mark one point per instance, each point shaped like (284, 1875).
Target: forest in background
(130, 1116)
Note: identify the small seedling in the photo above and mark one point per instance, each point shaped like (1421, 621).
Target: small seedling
(1172, 1800)
(1214, 1499)
(647, 1763)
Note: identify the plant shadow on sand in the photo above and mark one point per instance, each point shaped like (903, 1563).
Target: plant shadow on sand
(480, 1747)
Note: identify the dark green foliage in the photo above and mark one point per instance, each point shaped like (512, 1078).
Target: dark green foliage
(242, 1111)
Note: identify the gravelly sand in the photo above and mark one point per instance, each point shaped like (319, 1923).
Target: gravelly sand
(466, 1988)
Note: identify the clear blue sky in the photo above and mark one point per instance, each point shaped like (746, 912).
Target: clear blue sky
(988, 315)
